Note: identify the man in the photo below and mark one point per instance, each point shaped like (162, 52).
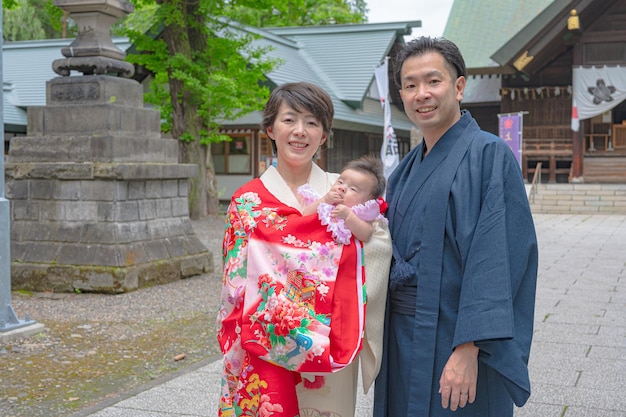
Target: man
(462, 288)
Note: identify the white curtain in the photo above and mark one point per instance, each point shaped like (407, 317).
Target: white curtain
(598, 89)
(482, 89)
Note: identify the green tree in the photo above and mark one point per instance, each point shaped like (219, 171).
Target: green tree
(266, 13)
(18, 23)
(205, 71)
(141, 20)
(24, 20)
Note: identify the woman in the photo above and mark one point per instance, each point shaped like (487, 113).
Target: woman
(286, 280)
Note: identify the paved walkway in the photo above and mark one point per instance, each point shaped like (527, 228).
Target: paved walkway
(578, 360)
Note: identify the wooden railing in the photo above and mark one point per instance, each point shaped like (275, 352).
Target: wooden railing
(533, 185)
(547, 144)
(547, 147)
(548, 132)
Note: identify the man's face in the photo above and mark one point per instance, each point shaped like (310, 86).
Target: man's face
(430, 93)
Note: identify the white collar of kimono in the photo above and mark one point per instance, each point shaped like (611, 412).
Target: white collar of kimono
(319, 180)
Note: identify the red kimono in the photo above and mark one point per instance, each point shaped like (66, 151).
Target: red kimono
(293, 301)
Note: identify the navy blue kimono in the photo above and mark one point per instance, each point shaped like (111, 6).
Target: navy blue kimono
(460, 217)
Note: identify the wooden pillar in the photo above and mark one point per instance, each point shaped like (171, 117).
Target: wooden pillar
(578, 145)
(578, 152)
(552, 172)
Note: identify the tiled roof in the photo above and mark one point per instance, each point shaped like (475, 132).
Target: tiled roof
(339, 58)
(547, 29)
(481, 27)
(345, 55)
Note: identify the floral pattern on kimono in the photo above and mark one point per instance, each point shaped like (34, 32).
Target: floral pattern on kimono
(293, 301)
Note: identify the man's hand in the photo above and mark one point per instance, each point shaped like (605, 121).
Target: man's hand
(457, 384)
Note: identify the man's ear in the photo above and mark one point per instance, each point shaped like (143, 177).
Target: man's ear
(324, 137)
(460, 84)
(270, 132)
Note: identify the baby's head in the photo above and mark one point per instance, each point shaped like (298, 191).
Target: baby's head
(361, 180)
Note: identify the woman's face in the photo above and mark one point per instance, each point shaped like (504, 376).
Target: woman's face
(297, 135)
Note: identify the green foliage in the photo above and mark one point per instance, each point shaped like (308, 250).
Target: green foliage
(31, 20)
(266, 13)
(221, 81)
(9, 4)
(141, 20)
(225, 78)
(18, 23)
(52, 19)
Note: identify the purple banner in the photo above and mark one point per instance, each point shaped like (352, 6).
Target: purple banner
(510, 132)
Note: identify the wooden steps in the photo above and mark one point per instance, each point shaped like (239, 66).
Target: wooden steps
(579, 198)
(605, 169)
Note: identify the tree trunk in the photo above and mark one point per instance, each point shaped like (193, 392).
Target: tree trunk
(213, 202)
(195, 153)
(202, 188)
(199, 42)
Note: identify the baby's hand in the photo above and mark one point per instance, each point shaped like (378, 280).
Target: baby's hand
(340, 211)
(333, 197)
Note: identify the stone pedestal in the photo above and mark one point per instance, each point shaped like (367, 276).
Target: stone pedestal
(98, 198)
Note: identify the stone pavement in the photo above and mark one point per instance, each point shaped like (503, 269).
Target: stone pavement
(578, 359)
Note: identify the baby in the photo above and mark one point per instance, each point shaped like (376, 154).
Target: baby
(353, 202)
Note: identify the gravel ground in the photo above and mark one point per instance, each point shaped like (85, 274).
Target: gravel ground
(97, 346)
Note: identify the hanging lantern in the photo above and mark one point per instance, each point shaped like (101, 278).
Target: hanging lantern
(573, 23)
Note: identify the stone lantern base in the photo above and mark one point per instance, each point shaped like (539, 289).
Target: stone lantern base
(98, 198)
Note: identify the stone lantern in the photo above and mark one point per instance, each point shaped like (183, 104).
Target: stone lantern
(93, 51)
(99, 200)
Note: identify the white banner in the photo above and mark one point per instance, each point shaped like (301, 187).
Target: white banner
(575, 118)
(598, 89)
(389, 150)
